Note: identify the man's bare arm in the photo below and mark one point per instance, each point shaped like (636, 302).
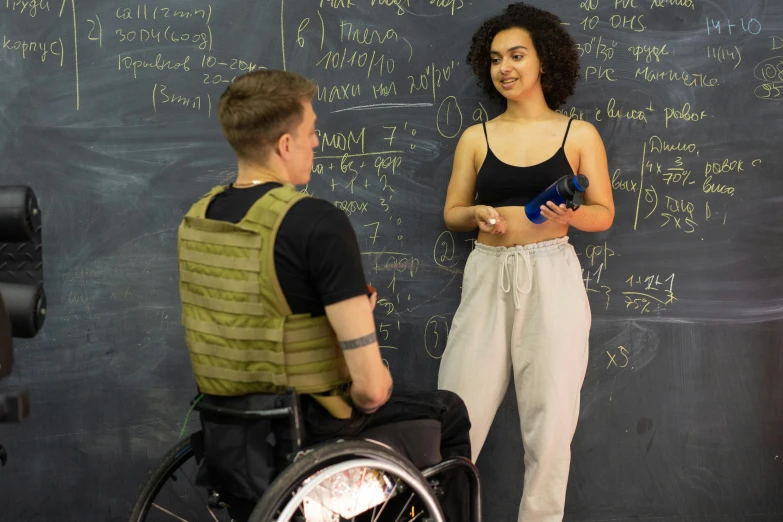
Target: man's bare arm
(354, 325)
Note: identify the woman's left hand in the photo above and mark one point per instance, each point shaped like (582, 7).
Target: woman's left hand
(558, 214)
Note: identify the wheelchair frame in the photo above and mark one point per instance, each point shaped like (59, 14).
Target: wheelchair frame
(181, 452)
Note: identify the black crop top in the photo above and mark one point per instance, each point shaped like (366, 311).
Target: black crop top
(499, 184)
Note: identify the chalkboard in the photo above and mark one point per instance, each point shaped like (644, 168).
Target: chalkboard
(108, 113)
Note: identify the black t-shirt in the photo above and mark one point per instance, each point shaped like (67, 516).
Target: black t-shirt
(317, 257)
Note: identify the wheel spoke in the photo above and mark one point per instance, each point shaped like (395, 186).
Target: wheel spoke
(391, 494)
(405, 507)
(169, 513)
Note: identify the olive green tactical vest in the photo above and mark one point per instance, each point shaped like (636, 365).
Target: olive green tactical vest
(239, 329)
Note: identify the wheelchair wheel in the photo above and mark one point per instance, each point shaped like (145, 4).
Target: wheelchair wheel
(171, 494)
(355, 480)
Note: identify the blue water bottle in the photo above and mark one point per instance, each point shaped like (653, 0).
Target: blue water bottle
(566, 191)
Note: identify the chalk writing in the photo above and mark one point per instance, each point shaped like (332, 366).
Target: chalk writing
(35, 50)
(716, 27)
(648, 53)
(373, 62)
(365, 36)
(688, 79)
(725, 54)
(28, 7)
(436, 332)
(597, 48)
(160, 63)
(770, 72)
(431, 78)
(685, 113)
(672, 3)
(162, 96)
(202, 40)
(618, 358)
(153, 12)
(649, 293)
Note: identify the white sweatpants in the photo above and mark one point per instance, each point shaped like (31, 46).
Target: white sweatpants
(523, 308)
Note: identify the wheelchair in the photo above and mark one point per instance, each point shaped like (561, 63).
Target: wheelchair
(375, 477)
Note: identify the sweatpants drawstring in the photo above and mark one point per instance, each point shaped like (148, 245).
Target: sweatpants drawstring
(505, 277)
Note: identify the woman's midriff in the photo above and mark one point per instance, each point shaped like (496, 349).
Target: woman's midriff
(520, 230)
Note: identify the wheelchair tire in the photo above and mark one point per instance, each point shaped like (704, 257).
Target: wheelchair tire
(323, 456)
(170, 462)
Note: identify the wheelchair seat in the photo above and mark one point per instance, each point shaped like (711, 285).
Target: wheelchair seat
(418, 440)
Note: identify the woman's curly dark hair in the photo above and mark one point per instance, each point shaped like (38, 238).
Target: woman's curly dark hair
(556, 50)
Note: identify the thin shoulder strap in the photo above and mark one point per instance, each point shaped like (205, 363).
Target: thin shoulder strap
(483, 124)
(566, 134)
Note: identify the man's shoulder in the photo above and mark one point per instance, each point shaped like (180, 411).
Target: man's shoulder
(316, 208)
(315, 219)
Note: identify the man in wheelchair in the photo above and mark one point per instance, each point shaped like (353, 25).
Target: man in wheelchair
(274, 298)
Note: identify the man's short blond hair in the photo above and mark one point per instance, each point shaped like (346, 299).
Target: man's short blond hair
(259, 107)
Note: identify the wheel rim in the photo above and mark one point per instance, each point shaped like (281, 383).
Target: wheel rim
(415, 484)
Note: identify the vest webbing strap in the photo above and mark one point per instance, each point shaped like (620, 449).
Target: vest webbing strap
(233, 332)
(277, 201)
(217, 237)
(265, 217)
(285, 197)
(268, 356)
(312, 356)
(225, 374)
(258, 334)
(299, 335)
(221, 305)
(232, 354)
(248, 286)
(233, 263)
(302, 382)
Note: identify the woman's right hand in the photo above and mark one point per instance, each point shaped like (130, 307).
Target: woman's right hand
(485, 215)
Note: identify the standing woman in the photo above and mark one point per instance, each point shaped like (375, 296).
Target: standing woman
(524, 306)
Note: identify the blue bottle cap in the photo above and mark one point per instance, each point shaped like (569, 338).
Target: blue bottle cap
(581, 182)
